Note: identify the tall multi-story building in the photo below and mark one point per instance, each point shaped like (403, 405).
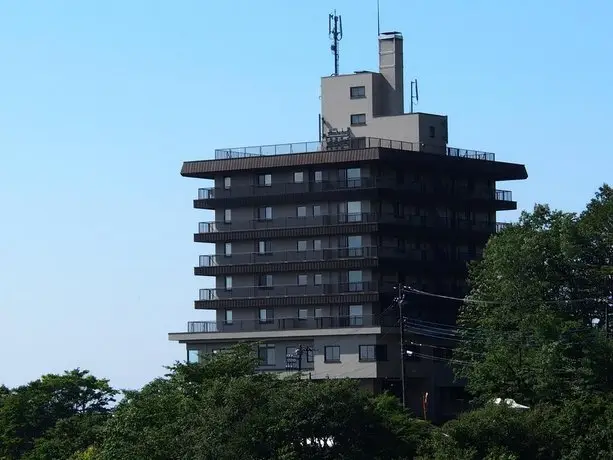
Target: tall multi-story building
(311, 239)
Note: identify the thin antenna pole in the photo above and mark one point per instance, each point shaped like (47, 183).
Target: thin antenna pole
(378, 20)
(335, 31)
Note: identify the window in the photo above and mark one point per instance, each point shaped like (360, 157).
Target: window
(373, 352)
(264, 247)
(358, 119)
(265, 180)
(354, 211)
(432, 131)
(228, 317)
(302, 280)
(318, 176)
(332, 354)
(316, 210)
(356, 317)
(298, 177)
(266, 315)
(265, 281)
(266, 353)
(354, 177)
(193, 356)
(228, 283)
(227, 182)
(303, 313)
(355, 246)
(301, 245)
(318, 279)
(355, 281)
(301, 211)
(227, 249)
(357, 92)
(265, 213)
(319, 313)
(227, 216)
(317, 245)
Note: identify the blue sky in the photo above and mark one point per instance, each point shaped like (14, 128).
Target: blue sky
(101, 101)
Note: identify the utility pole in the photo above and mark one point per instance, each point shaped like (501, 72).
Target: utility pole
(399, 300)
(607, 307)
(291, 360)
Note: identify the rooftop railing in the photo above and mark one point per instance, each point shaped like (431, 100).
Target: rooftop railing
(286, 291)
(353, 143)
(284, 324)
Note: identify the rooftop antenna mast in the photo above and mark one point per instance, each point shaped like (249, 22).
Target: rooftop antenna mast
(414, 94)
(335, 30)
(378, 20)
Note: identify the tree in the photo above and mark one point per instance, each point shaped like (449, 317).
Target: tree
(526, 329)
(222, 409)
(56, 414)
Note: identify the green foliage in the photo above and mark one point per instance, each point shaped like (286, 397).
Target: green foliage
(220, 411)
(53, 416)
(527, 330)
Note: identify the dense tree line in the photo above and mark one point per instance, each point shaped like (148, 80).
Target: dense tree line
(532, 329)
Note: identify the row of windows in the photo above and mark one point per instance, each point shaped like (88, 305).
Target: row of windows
(353, 209)
(355, 277)
(332, 353)
(267, 315)
(265, 180)
(264, 247)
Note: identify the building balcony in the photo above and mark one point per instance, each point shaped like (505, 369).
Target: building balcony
(328, 259)
(292, 295)
(286, 327)
(339, 224)
(352, 189)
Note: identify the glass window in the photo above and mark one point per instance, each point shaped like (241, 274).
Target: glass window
(354, 177)
(354, 211)
(265, 213)
(227, 182)
(266, 315)
(301, 245)
(303, 313)
(358, 119)
(265, 281)
(356, 315)
(318, 176)
(301, 211)
(227, 216)
(298, 177)
(302, 280)
(264, 247)
(319, 312)
(317, 245)
(228, 317)
(332, 354)
(193, 356)
(228, 283)
(316, 210)
(355, 281)
(354, 241)
(265, 180)
(357, 92)
(318, 279)
(266, 353)
(227, 249)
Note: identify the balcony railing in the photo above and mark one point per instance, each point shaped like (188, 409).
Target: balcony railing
(286, 291)
(350, 144)
(500, 226)
(215, 260)
(336, 219)
(283, 324)
(504, 195)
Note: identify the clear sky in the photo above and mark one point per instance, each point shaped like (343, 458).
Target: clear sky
(101, 101)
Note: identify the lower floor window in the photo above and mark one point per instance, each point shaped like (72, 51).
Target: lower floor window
(332, 354)
(373, 352)
(266, 353)
(193, 356)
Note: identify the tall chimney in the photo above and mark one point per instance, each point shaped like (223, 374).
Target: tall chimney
(391, 67)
